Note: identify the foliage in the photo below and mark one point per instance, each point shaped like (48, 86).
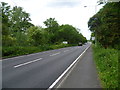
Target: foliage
(19, 19)
(70, 34)
(19, 36)
(5, 8)
(106, 25)
(18, 50)
(61, 33)
(24, 50)
(36, 36)
(52, 25)
(52, 29)
(15, 22)
(8, 40)
(107, 65)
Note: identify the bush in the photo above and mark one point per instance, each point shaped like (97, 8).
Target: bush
(22, 50)
(59, 46)
(18, 50)
(8, 40)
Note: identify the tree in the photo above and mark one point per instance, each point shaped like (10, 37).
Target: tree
(70, 34)
(5, 8)
(51, 24)
(36, 36)
(19, 19)
(52, 29)
(105, 25)
(19, 24)
(15, 22)
(7, 40)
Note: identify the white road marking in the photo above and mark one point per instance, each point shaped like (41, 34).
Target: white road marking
(19, 65)
(54, 83)
(43, 52)
(66, 50)
(55, 54)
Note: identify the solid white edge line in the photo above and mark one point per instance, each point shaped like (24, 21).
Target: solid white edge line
(54, 83)
(27, 63)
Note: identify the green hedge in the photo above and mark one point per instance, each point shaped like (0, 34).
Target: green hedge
(20, 50)
(107, 65)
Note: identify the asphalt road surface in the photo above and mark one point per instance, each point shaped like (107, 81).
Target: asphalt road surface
(83, 75)
(38, 70)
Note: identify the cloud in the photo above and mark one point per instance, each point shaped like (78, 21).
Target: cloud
(63, 3)
(70, 12)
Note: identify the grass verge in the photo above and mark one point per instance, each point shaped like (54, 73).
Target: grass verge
(107, 64)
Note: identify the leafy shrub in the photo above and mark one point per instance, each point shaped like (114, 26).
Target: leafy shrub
(8, 40)
(18, 50)
(22, 50)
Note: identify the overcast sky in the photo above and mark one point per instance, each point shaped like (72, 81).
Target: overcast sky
(70, 12)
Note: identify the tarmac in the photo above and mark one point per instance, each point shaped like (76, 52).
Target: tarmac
(83, 75)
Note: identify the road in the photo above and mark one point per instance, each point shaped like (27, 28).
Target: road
(38, 70)
(83, 75)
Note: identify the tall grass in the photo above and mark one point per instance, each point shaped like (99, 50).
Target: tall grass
(107, 65)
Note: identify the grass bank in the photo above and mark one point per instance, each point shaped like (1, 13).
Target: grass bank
(107, 64)
(23, 50)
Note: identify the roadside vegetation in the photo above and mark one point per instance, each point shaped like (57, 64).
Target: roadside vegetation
(107, 65)
(20, 36)
(24, 50)
(105, 27)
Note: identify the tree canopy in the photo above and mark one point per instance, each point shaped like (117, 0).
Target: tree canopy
(106, 25)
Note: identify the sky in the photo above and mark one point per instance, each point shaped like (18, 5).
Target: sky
(70, 12)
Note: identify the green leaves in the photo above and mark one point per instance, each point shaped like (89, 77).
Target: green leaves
(19, 19)
(62, 33)
(5, 18)
(15, 22)
(106, 24)
(107, 65)
(36, 35)
(70, 34)
(18, 33)
(51, 24)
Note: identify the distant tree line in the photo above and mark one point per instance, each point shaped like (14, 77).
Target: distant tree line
(105, 25)
(17, 30)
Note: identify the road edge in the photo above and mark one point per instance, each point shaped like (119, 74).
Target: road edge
(68, 69)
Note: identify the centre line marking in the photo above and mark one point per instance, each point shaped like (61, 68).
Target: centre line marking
(55, 54)
(19, 65)
(66, 50)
